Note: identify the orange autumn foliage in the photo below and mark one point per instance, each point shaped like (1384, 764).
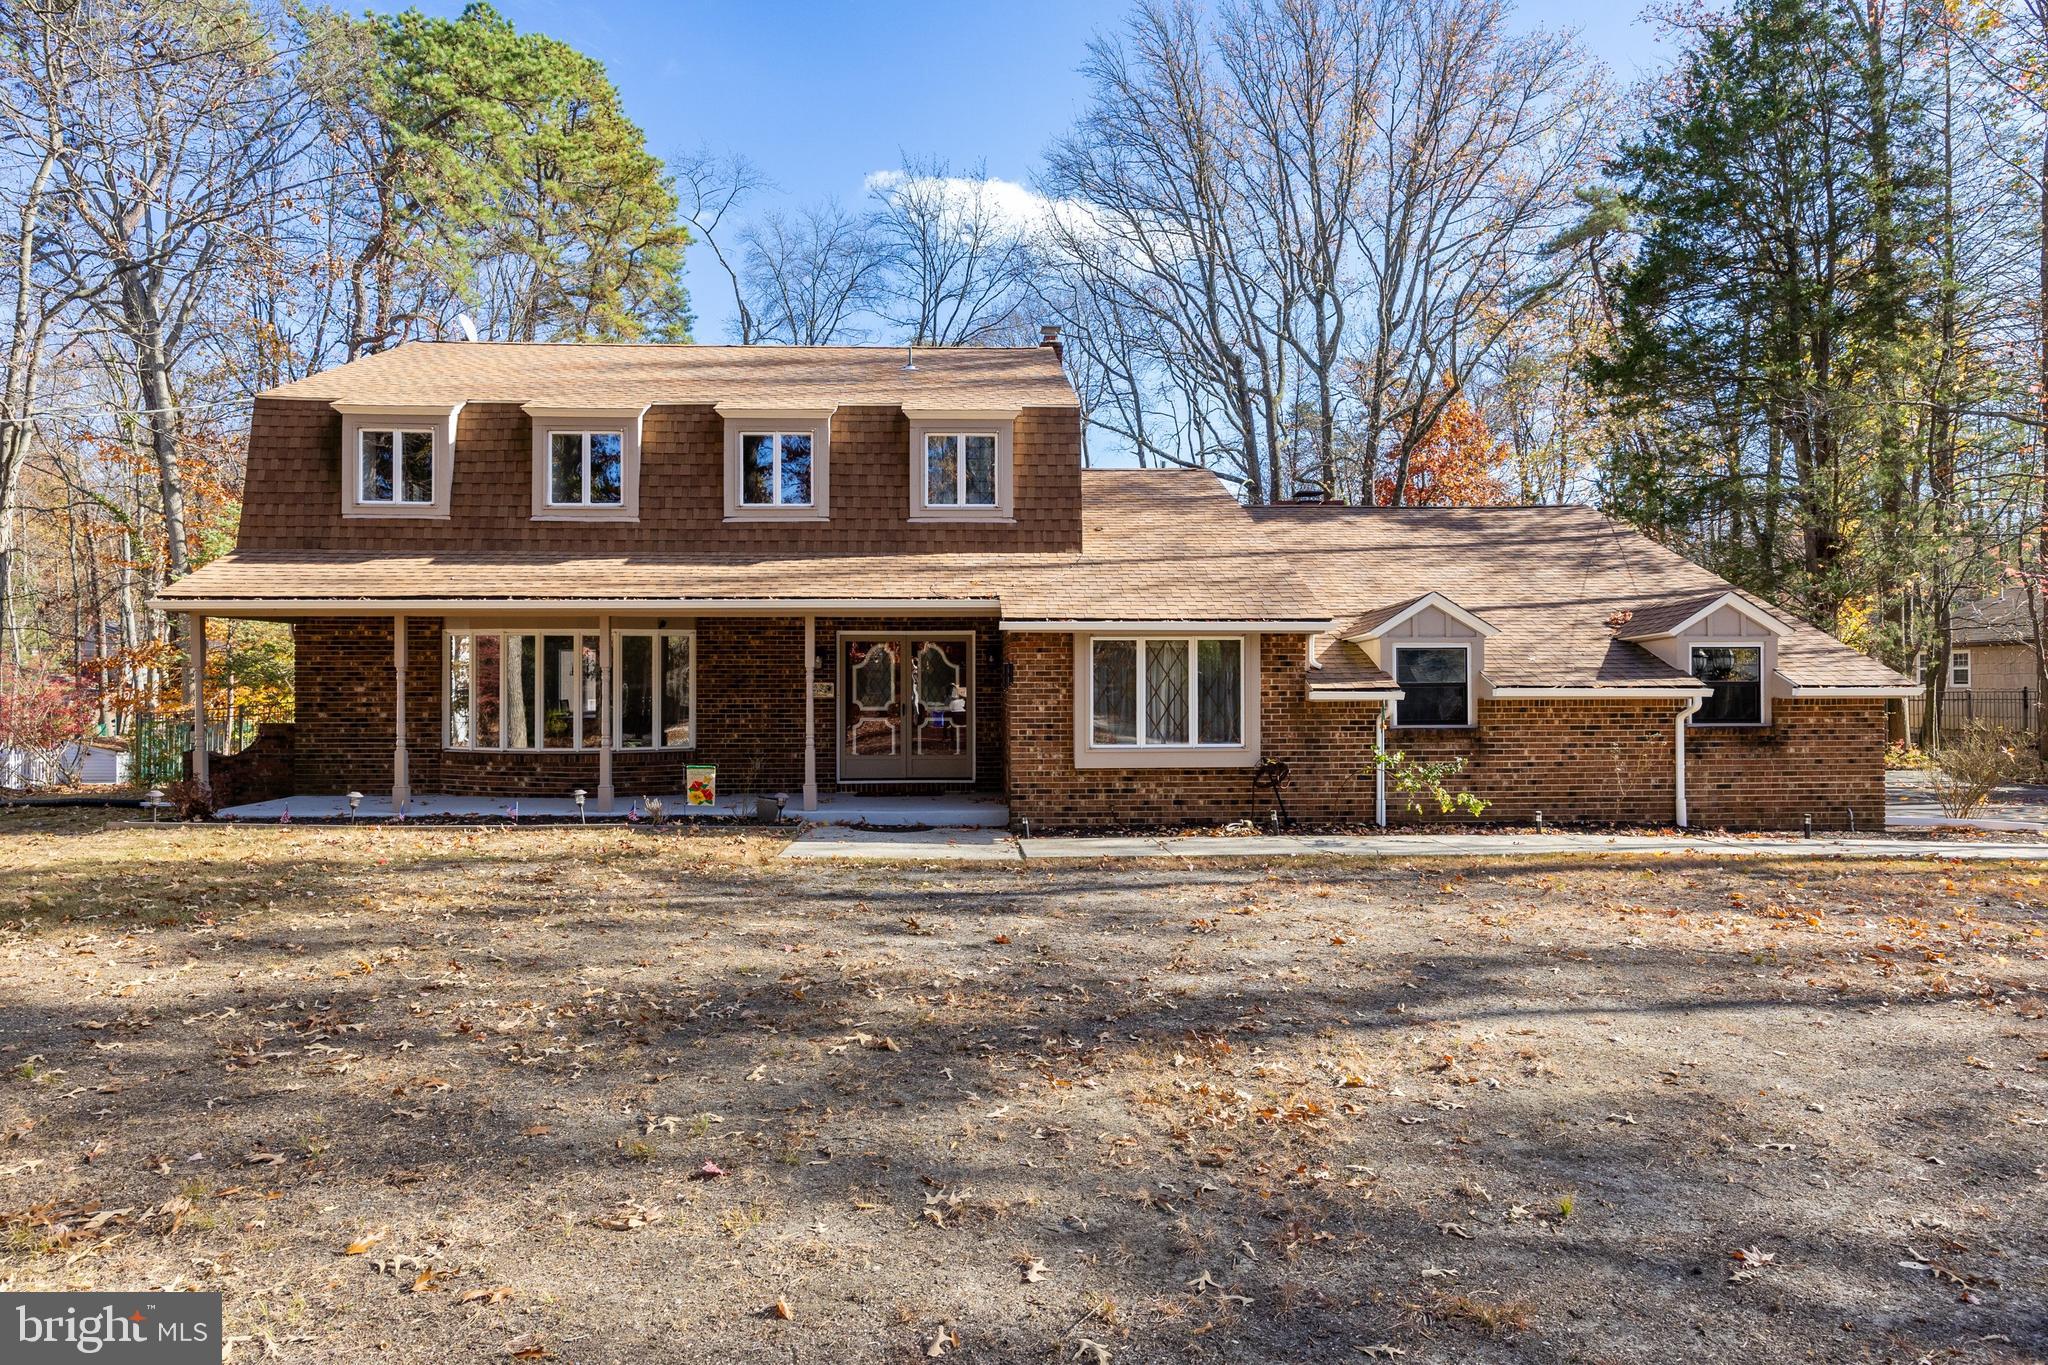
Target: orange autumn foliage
(1456, 465)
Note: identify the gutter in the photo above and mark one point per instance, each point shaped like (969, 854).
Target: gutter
(1379, 769)
(1685, 716)
(448, 606)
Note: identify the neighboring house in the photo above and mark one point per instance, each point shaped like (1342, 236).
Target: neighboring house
(525, 569)
(78, 761)
(1991, 644)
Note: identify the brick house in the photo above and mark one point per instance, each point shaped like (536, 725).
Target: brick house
(521, 570)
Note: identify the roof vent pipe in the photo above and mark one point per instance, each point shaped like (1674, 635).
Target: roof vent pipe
(909, 355)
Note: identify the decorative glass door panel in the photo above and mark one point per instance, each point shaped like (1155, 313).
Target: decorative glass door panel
(906, 708)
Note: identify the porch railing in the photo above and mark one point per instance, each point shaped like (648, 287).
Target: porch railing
(158, 755)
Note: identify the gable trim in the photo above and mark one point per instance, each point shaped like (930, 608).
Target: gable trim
(1471, 620)
(1730, 598)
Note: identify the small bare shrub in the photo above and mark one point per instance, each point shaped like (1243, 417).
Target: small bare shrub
(1969, 768)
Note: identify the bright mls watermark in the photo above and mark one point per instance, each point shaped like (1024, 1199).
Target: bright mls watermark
(118, 1329)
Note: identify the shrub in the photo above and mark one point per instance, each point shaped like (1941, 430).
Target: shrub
(1969, 768)
(1416, 779)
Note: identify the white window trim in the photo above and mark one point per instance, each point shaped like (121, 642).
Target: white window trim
(548, 420)
(1394, 721)
(617, 691)
(577, 740)
(1000, 423)
(813, 422)
(608, 688)
(1762, 688)
(775, 440)
(1959, 662)
(438, 420)
(1190, 754)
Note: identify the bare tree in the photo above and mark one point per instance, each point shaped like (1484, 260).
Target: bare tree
(711, 186)
(808, 276)
(960, 260)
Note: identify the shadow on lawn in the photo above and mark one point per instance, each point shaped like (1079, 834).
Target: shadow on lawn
(515, 1049)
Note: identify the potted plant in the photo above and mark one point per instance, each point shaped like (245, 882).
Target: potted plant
(767, 808)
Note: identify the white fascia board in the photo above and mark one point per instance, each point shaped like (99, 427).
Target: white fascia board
(1352, 694)
(757, 412)
(350, 407)
(631, 412)
(1882, 692)
(917, 413)
(1171, 627)
(1605, 693)
(448, 606)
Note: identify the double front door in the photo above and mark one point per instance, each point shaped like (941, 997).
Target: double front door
(906, 707)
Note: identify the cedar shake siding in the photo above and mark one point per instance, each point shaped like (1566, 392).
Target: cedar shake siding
(750, 676)
(292, 499)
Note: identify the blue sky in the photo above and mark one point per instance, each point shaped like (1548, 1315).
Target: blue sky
(820, 95)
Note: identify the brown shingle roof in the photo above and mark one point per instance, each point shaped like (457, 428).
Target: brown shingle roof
(1158, 545)
(1551, 579)
(2006, 619)
(585, 374)
(1342, 666)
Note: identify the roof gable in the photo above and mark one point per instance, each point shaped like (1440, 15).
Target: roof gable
(1668, 619)
(1386, 619)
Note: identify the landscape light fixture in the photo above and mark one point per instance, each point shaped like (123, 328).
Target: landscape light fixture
(579, 794)
(155, 802)
(354, 799)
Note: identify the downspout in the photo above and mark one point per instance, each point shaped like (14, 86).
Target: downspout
(1691, 709)
(1379, 767)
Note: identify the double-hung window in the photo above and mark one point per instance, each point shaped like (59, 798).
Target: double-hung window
(533, 689)
(394, 466)
(1167, 693)
(654, 693)
(1959, 668)
(960, 469)
(586, 468)
(1735, 673)
(1436, 686)
(775, 468)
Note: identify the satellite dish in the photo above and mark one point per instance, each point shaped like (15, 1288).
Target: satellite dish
(468, 326)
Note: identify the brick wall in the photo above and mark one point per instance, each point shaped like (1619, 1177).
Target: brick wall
(1579, 762)
(1818, 758)
(1328, 749)
(750, 679)
(292, 499)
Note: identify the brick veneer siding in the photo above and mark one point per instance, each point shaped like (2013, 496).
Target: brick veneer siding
(1816, 757)
(292, 500)
(1327, 746)
(750, 678)
(1577, 761)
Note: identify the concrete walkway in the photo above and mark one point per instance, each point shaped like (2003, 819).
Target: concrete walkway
(988, 845)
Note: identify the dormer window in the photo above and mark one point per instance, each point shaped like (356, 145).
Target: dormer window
(775, 469)
(961, 467)
(778, 463)
(584, 468)
(1436, 686)
(586, 462)
(396, 460)
(395, 466)
(1736, 675)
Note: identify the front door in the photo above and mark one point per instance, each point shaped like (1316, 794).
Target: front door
(906, 708)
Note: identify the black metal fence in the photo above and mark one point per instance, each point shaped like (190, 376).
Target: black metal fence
(2016, 709)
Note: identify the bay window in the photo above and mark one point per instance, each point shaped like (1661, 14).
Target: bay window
(1735, 673)
(1436, 686)
(538, 689)
(1168, 693)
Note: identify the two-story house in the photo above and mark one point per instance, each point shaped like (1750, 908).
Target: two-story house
(517, 570)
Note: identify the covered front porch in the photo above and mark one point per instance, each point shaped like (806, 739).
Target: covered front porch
(940, 811)
(852, 716)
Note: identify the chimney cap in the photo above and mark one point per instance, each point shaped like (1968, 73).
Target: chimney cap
(1049, 335)
(1309, 492)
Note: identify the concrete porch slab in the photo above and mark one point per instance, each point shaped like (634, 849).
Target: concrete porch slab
(894, 812)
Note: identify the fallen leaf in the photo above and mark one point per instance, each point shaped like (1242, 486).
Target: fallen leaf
(1035, 1272)
(496, 1295)
(363, 1244)
(943, 1340)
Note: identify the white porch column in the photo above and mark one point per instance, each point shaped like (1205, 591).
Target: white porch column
(607, 724)
(401, 787)
(195, 695)
(809, 713)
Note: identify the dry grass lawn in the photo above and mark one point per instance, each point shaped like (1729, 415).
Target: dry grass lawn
(594, 1096)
